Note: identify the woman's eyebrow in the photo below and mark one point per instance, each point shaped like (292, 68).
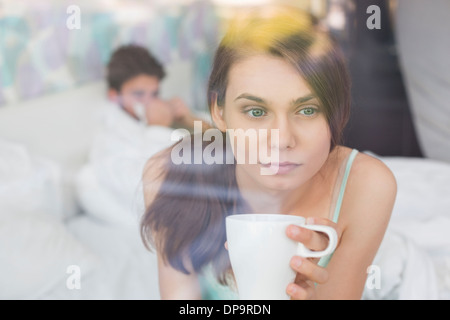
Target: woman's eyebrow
(262, 101)
(303, 99)
(251, 97)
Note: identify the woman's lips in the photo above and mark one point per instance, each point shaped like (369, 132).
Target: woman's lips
(281, 167)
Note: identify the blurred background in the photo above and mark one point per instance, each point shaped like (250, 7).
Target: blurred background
(40, 54)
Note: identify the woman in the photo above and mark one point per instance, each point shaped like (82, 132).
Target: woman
(271, 71)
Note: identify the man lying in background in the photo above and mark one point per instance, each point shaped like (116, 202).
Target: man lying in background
(133, 77)
(136, 125)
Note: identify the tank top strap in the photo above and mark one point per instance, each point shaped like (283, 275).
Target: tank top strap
(340, 198)
(323, 262)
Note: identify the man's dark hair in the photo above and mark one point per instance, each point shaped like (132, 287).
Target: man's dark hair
(130, 61)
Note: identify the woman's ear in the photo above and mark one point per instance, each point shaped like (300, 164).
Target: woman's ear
(217, 115)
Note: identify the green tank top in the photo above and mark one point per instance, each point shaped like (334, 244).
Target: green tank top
(213, 290)
(323, 262)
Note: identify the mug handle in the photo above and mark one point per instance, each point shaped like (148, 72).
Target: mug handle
(332, 243)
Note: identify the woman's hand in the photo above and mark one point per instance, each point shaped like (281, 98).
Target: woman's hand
(308, 272)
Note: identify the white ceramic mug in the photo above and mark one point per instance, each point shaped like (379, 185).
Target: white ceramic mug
(260, 252)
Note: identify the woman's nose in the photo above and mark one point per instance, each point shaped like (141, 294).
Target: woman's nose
(282, 135)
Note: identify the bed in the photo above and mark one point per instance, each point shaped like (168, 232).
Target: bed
(52, 96)
(414, 257)
(50, 249)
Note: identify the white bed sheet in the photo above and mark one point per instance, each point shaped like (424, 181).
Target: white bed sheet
(414, 257)
(125, 269)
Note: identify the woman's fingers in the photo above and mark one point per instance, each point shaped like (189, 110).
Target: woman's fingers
(313, 240)
(308, 273)
(325, 222)
(309, 270)
(300, 292)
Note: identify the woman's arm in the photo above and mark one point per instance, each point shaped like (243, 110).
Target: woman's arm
(173, 284)
(365, 213)
(366, 210)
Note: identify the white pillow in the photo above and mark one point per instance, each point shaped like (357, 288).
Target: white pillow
(49, 127)
(423, 187)
(36, 254)
(98, 202)
(35, 247)
(28, 184)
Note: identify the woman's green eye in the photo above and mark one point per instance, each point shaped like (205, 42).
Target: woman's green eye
(256, 113)
(308, 111)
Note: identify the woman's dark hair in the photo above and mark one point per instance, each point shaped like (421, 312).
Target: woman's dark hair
(129, 61)
(189, 211)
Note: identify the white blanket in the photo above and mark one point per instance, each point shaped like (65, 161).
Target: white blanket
(414, 258)
(124, 269)
(43, 255)
(35, 246)
(109, 185)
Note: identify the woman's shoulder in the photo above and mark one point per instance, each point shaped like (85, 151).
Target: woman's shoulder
(365, 167)
(368, 169)
(371, 186)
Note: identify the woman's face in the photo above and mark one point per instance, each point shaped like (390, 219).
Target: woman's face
(266, 94)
